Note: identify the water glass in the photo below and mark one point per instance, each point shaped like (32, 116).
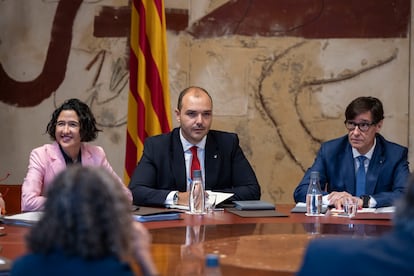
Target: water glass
(350, 206)
(210, 202)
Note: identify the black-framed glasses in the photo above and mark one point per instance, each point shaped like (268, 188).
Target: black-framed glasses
(364, 126)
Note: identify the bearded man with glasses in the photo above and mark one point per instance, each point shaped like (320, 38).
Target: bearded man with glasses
(339, 161)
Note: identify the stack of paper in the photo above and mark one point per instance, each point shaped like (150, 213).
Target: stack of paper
(301, 208)
(26, 219)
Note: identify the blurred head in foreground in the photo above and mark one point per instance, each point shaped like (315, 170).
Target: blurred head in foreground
(87, 215)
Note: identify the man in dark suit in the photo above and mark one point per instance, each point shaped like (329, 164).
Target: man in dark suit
(385, 165)
(390, 254)
(162, 175)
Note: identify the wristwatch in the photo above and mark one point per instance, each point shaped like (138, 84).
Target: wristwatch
(365, 200)
(175, 198)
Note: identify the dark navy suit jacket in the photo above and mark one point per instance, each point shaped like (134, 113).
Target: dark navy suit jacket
(386, 175)
(57, 263)
(162, 168)
(391, 254)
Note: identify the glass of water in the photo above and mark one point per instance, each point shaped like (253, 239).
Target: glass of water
(210, 202)
(350, 206)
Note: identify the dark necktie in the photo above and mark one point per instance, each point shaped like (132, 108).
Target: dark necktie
(361, 177)
(195, 164)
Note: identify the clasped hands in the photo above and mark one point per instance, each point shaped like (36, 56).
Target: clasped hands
(338, 198)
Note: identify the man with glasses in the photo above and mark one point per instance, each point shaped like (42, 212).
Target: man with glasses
(385, 167)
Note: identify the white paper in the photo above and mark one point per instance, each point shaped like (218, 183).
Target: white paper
(28, 216)
(179, 207)
(303, 204)
(220, 197)
(381, 210)
(390, 209)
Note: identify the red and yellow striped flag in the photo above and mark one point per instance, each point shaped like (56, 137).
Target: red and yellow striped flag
(149, 99)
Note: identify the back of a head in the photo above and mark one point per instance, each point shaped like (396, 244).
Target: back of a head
(86, 214)
(404, 214)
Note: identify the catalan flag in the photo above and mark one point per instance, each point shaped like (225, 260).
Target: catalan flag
(149, 99)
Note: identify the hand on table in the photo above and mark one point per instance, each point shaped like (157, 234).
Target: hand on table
(183, 198)
(338, 198)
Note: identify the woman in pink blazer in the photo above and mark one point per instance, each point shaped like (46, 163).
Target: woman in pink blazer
(71, 126)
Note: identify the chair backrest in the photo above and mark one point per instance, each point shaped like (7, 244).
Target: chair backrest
(12, 195)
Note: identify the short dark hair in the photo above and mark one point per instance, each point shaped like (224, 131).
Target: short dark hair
(88, 129)
(363, 104)
(86, 214)
(185, 91)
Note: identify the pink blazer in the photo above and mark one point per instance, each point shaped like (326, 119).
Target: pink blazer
(47, 161)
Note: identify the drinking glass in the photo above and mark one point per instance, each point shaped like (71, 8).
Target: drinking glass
(350, 206)
(210, 202)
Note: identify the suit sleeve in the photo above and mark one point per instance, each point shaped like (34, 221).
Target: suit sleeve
(143, 183)
(106, 165)
(398, 180)
(299, 194)
(320, 258)
(32, 197)
(244, 181)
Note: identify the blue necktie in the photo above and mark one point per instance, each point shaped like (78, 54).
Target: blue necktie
(361, 177)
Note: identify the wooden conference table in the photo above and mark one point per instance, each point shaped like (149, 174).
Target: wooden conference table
(247, 246)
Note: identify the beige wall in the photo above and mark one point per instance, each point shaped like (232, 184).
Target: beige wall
(261, 87)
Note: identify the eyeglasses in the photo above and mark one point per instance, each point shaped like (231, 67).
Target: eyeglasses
(364, 126)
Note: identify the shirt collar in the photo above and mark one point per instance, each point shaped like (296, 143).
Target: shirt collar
(187, 145)
(368, 155)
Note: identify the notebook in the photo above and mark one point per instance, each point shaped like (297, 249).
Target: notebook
(157, 217)
(146, 214)
(256, 213)
(253, 205)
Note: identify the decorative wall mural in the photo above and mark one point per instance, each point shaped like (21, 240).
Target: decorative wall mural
(31, 93)
(280, 73)
(290, 98)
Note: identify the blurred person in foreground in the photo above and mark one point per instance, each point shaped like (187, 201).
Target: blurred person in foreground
(71, 126)
(163, 174)
(390, 254)
(385, 163)
(87, 229)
